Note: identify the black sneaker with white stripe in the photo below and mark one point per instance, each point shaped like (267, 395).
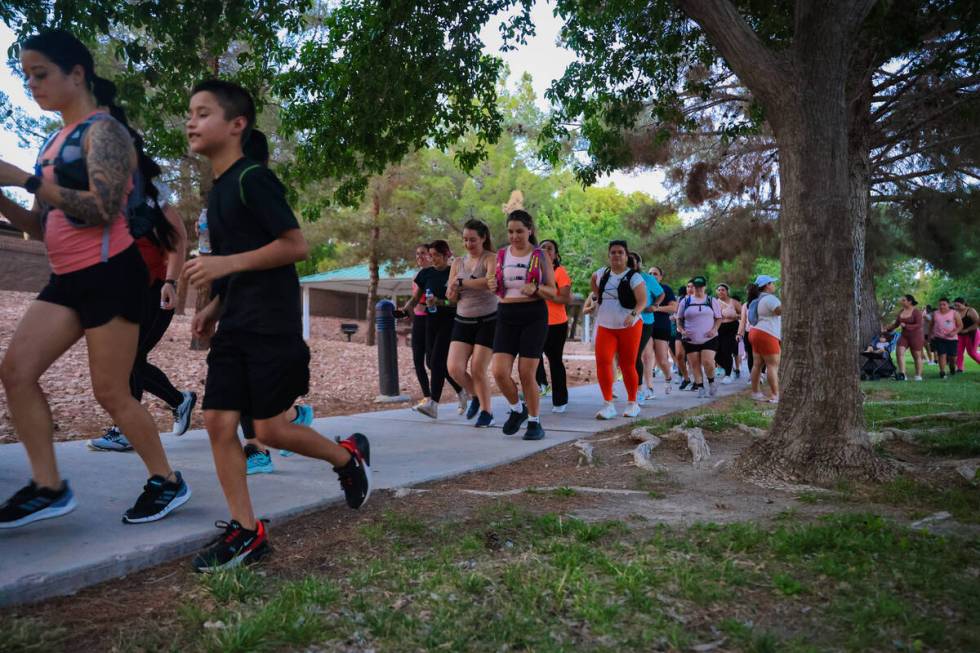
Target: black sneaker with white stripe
(160, 497)
(236, 546)
(32, 503)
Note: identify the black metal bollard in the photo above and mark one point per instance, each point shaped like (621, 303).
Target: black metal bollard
(387, 352)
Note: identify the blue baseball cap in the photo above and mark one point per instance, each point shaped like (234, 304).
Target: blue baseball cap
(764, 279)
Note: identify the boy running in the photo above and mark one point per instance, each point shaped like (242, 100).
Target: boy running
(258, 364)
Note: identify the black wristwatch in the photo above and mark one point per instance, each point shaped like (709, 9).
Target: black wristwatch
(172, 282)
(32, 184)
(459, 282)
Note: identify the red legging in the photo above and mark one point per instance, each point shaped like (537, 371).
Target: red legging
(626, 343)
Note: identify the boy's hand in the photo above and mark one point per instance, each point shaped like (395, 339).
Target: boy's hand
(201, 271)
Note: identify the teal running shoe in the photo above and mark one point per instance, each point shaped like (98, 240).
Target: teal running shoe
(304, 417)
(257, 461)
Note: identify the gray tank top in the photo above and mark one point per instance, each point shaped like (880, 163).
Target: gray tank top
(473, 302)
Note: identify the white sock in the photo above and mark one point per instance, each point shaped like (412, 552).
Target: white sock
(515, 407)
(532, 418)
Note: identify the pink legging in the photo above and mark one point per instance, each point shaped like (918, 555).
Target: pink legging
(626, 343)
(966, 342)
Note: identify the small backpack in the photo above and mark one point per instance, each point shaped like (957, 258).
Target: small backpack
(687, 303)
(754, 311)
(624, 292)
(533, 268)
(143, 214)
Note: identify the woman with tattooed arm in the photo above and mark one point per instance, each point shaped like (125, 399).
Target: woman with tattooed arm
(81, 184)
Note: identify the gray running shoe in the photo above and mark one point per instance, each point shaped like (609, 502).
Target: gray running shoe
(112, 440)
(702, 392)
(182, 413)
(712, 389)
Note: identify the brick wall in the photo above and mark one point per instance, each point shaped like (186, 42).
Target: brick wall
(23, 264)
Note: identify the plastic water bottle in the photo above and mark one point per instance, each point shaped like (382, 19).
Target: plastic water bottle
(428, 296)
(203, 236)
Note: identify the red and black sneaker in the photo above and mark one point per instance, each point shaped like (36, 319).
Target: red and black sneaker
(355, 476)
(236, 546)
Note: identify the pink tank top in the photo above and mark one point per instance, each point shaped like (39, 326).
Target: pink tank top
(71, 248)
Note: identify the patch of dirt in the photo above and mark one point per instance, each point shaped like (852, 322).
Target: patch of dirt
(343, 375)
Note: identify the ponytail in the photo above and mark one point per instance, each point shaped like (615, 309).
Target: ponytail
(105, 96)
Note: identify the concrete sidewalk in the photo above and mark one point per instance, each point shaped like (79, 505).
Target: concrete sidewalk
(90, 545)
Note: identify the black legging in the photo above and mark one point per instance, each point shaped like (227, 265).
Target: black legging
(645, 336)
(748, 350)
(727, 346)
(554, 348)
(145, 376)
(418, 352)
(438, 335)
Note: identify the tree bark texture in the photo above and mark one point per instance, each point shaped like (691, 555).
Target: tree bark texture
(818, 433)
(373, 270)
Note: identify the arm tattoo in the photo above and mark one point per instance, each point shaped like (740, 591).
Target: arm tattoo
(110, 165)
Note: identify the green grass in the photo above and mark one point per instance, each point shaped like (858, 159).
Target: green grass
(844, 582)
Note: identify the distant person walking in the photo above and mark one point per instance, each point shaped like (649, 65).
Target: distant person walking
(910, 319)
(476, 319)
(440, 317)
(698, 319)
(727, 356)
(417, 309)
(522, 320)
(946, 325)
(764, 316)
(621, 296)
(645, 357)
(662, 312)
(967, 336)
(554, 344)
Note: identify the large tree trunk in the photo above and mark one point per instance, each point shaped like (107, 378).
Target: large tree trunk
(373, 270)
(818, 433)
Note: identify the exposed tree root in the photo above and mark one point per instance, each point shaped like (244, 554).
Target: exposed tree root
(954, 416)
(773, 460)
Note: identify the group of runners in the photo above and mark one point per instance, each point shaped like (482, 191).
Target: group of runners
(941, 336)
(475, 315)
(116, 254)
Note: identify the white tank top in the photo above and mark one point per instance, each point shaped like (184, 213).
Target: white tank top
(515, 273)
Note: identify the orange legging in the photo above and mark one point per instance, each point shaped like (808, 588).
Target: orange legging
(626, 343)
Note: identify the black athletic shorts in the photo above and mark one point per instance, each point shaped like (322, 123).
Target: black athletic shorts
(259, 375)
(691, 348)
(116, 288)
(942, 346)
(475, 330)
(522, 329)
(661, 334)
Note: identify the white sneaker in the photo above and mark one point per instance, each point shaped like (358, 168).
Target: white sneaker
(608, 411)
(726, 381)
(641, 396)
(918, 378)
(702, 392)
(464, 401)
(712, 389)
(758, 396)
(667, 383)
(429, 408)
(632, 410)
(650, 394)
(774, 400)
(559, 409)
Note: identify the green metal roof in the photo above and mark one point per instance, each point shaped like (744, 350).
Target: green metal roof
(357, 273)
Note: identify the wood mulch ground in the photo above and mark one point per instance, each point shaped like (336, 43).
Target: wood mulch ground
(343, 375)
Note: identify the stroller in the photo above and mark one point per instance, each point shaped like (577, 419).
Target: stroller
(877, 363)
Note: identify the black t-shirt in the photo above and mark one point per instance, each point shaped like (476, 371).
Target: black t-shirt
(661, 321)
(436, 281)
(246, 212)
